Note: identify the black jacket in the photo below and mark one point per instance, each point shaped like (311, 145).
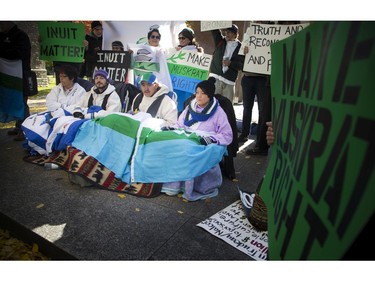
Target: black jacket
(237, 60)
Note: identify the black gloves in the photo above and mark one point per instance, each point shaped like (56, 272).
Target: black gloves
(207, 140)
(167, 128)
(78, 114)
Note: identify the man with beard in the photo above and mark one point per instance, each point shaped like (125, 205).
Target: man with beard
(102, 96)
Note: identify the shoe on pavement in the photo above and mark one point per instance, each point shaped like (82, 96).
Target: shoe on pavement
(19, 137)
(13, 132)
(242, 138)
(257, 151)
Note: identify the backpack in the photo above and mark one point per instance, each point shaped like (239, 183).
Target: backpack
(153, 108)
(127, 92)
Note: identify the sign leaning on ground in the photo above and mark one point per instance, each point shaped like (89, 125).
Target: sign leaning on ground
(187, 69)
(259, 38)
(319, 186)
(61, 41)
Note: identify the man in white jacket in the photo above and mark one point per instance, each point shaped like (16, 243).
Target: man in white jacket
(155, 99)
(102, 96)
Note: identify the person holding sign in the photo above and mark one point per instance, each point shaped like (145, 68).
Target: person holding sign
(100, 100)
(186, 39)
(94, 43)
(226, 62)
(154, 99)
(206, 118)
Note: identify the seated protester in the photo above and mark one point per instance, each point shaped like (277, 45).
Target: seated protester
(154, 99)
(206, 118)
(100, 100)
(68, 93)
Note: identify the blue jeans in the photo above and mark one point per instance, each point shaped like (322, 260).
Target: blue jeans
(252, 86)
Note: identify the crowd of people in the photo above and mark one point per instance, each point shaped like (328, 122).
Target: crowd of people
(86, 93)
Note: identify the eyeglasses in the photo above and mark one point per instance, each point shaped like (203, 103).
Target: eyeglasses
(181, 38)
(155, 37)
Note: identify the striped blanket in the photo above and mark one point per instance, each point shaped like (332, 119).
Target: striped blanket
(129, 149)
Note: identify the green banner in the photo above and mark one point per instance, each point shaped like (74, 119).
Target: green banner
(61, 41)
(320, 184)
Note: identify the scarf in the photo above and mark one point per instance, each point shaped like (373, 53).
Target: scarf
(195, 117)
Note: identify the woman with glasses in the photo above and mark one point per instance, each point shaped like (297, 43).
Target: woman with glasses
(154, 37)
(186, 39)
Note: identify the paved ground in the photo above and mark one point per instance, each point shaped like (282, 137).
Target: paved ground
(73, 222)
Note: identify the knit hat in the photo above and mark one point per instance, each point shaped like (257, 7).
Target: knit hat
(233, 28)
(96, 24)
(188, 33)
(118, 44)
(208, 86)
(103, 73)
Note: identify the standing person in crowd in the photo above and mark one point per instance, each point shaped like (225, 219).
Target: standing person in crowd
(154, 99)
(117, 46)
(204, 116)
(226, 62)
(68, 93)
(102, 96)
(253, 84)
(15, 45)
(187, 41)
(94, 43)
(154, 36)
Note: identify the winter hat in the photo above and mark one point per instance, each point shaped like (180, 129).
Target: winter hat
(188, 33)
(208, 87)
(118, 44)
(233, 28)
(96, 24)
(103, 73)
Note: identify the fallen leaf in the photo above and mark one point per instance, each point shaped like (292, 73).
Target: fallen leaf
(35, 248)
(180, 212)
(184, 200)
(121, 196)
(235, 180)
(137, 209)
(41, 205)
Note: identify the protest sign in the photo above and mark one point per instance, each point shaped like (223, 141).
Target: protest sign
(212, 25)
(187, 69)
(232, 226)
(319, 185)
(115, 63)
(259, 37)
(61, 41)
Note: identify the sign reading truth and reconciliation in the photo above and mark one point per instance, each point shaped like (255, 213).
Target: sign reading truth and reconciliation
(115, 63)
(259, 37)
(61, 41)
(319, 187)
(187, 69)
(212, 25)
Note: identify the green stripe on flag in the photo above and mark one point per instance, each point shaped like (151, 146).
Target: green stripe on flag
(122, 124)
(11, 82)
(149, 66)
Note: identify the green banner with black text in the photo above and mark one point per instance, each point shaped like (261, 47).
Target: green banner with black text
(319, 187)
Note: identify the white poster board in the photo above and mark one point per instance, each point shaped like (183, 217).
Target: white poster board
(232, 226)
(212, 25)
(259, 37)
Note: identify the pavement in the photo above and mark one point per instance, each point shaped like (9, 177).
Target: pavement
(70, 222)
